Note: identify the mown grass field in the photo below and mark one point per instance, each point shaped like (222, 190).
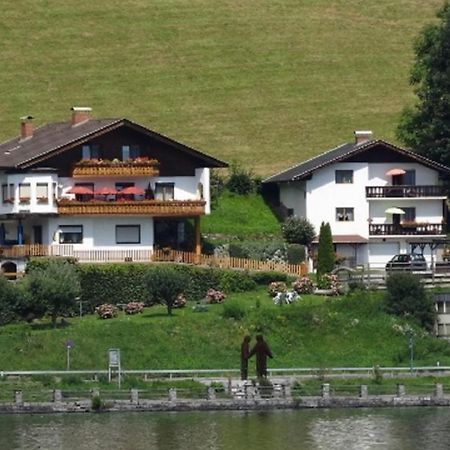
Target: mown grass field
(316, 332)
(268, 82)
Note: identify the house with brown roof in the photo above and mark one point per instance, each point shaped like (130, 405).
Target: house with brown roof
(99, 189)
(379, 199)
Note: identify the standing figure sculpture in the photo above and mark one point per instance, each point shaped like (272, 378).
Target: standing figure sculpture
(245, 351)
(262, 351)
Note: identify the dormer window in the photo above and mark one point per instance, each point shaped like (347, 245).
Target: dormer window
(91, 151)
(344, 176)
(130, 152)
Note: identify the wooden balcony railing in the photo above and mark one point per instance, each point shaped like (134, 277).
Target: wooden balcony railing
(418, 230)
(148, 167)
(407, 191)
(171, 208)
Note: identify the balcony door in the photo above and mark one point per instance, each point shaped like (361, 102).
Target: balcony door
(37, 234)
(408, 178)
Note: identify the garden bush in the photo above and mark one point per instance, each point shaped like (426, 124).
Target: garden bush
(240, 180)
(214, 296)
(234, 310)
(298, 230)
(264, 278)
(106, 311)
(8, 301)
(276, 287)
(303, 285)
(295, 253)
(134, 308)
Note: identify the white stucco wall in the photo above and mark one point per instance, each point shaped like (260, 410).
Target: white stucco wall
(293, 196)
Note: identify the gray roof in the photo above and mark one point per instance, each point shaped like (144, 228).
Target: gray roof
(56, 137)
(341, 153)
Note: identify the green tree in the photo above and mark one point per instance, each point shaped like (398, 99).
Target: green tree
(164, 284)
(406, 296)
(426, 126)
(325, 254)
(298, 230)
(8, 301)
(50, 289)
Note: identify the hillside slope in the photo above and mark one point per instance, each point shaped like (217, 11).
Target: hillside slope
(266, 82)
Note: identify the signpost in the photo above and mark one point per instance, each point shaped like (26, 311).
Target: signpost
(114, 363)
(69, 345)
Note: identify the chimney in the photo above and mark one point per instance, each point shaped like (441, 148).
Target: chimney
(80, 114)
(362, 137)
(26, 127)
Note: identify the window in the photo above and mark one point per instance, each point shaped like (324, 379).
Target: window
(70, 234)
(91, 151)
(5, 194)
(344, 215)
(344, 176)
(24, 192)
(128, 234)
(130, 152)
(164, 191)
(42, 193)
(410, 214)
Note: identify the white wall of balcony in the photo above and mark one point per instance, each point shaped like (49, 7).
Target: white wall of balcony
(424, 175)
(429, 211)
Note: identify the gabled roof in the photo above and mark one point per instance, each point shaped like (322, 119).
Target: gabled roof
(344, 152)
(55, 138)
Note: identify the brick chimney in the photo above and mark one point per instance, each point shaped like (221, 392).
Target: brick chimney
(26, 127)
(80, 114)
(362, 137)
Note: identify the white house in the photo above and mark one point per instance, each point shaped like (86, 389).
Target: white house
(99, 189)
(379, 199)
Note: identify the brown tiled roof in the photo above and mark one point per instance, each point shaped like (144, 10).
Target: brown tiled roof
(56, 137)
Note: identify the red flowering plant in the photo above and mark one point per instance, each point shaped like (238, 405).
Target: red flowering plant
(214, 296)
(276, 287)
(303, 285)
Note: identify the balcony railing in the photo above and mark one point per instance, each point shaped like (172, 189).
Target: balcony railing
(95, 168)
(158, 208)
(419, 229)
(407, 191)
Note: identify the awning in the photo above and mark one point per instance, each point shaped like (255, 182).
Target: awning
(394, 210)
(396, 171)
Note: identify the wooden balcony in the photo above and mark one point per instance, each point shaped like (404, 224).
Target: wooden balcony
(404, 191)
(424, 229)
(171, 208)
(136, 168)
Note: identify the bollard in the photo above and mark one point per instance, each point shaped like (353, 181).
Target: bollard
(401, 390)
(18, 397)
(439, 390)
(211, 393)
(57, 395)
(95, 392)
(326, 390)
(172, 394)
(134, 396)
(363, 392)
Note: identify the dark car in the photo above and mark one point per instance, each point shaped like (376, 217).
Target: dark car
(407, 261)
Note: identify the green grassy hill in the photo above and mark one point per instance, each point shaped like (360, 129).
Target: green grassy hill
(266, 82)
(316, 332)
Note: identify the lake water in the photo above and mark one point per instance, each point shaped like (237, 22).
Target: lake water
(383, 428)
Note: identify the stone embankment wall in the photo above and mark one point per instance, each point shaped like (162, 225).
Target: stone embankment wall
(246, 399)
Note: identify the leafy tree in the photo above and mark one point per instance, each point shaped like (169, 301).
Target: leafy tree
(164, 284)
(406, 296)
(50, 289)
(241, 181)
(326, 256)
(8, 301)
(426, 126)
(298, 230)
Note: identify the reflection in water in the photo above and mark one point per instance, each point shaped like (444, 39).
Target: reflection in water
(384, 428)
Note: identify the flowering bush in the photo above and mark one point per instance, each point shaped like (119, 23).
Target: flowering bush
(276, 287)
(106, 311)
(214, 296)
(303, 285)
(180, 301)
(134, 308)
(328, 281)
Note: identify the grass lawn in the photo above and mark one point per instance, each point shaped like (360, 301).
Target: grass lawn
(315, 332)
(266, 82)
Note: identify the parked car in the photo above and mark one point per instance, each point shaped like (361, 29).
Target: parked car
(407, 261)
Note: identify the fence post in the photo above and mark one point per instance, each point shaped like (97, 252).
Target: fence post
(57, 395)
(439, 390)
(211, 393)
(134, 395)
(326, 390)
(363, 391)
(18, 397)
(401, 390)
(172, 394)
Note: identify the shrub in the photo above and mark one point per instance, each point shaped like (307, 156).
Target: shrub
(265, 278)
(134, 308)
(214, 296)
(97, 403)
(298, 230)
(276, 287)
(325, 256)
(236, 281)
(406, 296)
(233, 310)
(9, 297)
(106, 311)
(240, 180)
(295, 253)
(328, 281)
(303, 285)
(180, 301)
